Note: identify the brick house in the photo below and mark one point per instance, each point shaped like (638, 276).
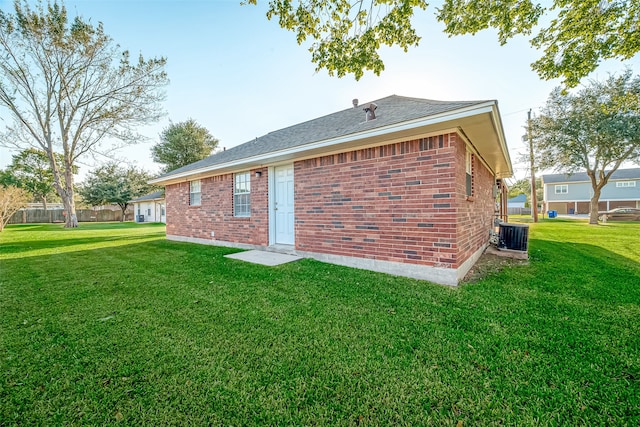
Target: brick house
(407, 186)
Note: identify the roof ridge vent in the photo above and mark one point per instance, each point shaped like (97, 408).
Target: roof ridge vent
(355, 102)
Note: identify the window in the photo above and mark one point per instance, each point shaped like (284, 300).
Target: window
(149, 212)
(620, 184)
(242, 194)
(194, 193)
(162, 211)
(562, 189)
(469, 172)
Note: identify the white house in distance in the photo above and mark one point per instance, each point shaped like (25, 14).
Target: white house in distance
(571, 194)
(150, 208)
(517, 202)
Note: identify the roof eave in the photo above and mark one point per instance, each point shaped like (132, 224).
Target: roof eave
(504, 169)
(146, 200)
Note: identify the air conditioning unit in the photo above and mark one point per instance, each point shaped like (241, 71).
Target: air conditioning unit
(514, 237)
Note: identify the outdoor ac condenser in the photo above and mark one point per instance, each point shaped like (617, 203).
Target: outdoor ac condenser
(514, 237)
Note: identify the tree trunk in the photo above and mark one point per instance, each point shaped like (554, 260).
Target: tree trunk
(66, 193)
(597, 184)
(44, 203)
(64, 189)
(593, 213)
(70, 210)
(123, 207)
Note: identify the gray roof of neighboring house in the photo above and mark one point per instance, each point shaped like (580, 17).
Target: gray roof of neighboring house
(151, 196)
(390, 110)
(518, 199)
(633, 173)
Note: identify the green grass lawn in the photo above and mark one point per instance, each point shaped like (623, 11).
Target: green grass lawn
(111, 323)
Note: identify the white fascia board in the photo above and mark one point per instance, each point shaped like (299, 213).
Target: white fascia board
(146, 200)
(624, 179)
(497, 122)
(485, 107)
(569, 182)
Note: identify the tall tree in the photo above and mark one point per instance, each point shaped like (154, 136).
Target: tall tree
(31, 170)
(71, 90)
(575, 35)
(12, 199)
(113, 184)
(183, 143)
(595, 129)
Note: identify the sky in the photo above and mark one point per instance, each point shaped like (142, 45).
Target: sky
(241, 76)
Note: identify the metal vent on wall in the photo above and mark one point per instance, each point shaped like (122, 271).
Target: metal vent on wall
(514, 237)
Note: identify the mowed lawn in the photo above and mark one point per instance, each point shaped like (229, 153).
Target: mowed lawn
(111, 323)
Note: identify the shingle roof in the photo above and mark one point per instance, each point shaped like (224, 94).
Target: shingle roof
(391, 110)
(633, 173)
(518, 199)
(151, 196)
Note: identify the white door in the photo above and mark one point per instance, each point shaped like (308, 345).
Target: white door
(283, 205)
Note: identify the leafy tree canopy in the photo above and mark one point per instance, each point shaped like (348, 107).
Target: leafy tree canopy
(69, 89)
(574, 35)
(113, 184)
(7, 178)
(595, 129)
(31, 170)
(183, 143)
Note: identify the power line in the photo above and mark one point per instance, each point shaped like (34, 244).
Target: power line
(514, 112)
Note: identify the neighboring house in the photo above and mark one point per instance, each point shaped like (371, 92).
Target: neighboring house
(406, 187)
(150, 208)
(571, 193)
(518, 201)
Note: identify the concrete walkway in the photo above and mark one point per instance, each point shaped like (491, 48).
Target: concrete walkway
(264, 258)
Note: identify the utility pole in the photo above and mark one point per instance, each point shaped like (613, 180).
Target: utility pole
(534, 199)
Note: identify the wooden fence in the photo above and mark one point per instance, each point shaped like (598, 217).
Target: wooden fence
(519, 211)
(30, 216)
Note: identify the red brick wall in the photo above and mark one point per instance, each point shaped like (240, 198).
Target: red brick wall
(403, 202)
(476, 213)
(392, 203)
(216, 211)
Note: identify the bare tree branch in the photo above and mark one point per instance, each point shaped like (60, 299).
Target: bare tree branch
(69, 89)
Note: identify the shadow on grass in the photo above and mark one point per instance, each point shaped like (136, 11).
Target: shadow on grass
(158, 331)
(26, 246)
(67, 238)
(585, 270)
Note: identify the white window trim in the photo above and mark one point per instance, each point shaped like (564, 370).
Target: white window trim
(561, 189)
(238, 178)
(625, 184)
(195, 188)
